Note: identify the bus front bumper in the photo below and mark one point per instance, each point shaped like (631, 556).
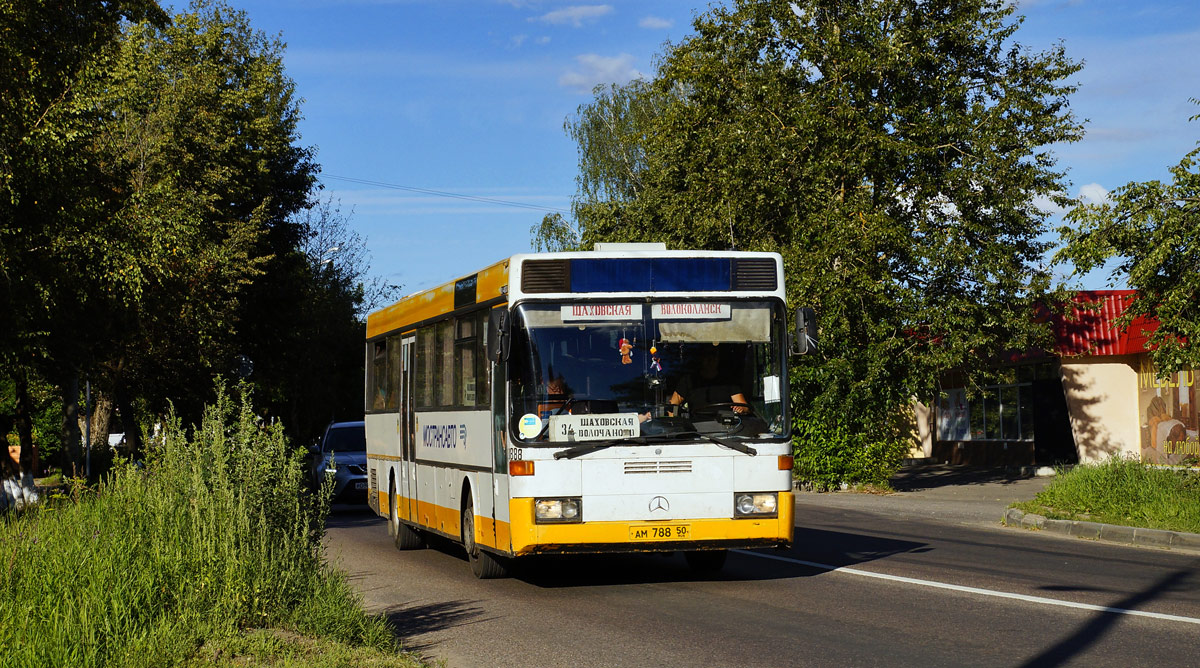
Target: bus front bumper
(529, 537)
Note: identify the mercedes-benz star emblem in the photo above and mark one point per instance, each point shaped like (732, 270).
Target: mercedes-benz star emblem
(659, 503)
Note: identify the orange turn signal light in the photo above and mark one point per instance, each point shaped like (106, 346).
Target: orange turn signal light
(786, 462)
(523, 467)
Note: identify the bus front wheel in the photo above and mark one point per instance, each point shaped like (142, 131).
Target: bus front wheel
(484, 564)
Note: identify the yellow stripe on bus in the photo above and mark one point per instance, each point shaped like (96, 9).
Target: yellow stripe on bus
(435, 302)
(488, 531)
(528, 536)
(523, 536)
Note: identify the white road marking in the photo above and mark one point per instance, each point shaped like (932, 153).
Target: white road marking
(976, 590)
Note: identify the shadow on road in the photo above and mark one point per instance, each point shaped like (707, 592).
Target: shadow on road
(410, 621)
(348, 517)
(831, 548)
(1090, 633)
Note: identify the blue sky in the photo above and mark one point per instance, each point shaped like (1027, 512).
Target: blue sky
(470, 97)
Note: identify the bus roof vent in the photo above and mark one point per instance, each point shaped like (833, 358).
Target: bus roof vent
(755, 274)
(614, 246)
(546, 276)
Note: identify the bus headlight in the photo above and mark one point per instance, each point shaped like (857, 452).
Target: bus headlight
(748, 504)
(568, 509)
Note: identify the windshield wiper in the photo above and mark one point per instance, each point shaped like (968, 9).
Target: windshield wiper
(561, 409)
(588, 448)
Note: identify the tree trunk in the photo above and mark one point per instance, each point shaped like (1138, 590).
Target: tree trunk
(72, 461)
(133, 432)
(24, 422)
(102, 408)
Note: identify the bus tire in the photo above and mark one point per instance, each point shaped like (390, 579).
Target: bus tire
(484, 565)
(706, 561)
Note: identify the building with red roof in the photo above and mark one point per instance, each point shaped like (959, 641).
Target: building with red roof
(1095, 395)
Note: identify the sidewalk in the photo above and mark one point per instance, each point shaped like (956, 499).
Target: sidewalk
(971, 496)
(954, 494)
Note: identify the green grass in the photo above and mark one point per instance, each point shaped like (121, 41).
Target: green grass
(1122, 491)
(282, 649)
(214, 537)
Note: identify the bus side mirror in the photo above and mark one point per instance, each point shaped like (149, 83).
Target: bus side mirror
(805, 339)
(499, 341)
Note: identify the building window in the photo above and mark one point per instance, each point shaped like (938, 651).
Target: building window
(1001, 412)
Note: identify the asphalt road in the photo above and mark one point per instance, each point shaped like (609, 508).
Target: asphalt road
(871, 581)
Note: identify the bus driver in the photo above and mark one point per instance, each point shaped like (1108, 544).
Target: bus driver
(706, 388)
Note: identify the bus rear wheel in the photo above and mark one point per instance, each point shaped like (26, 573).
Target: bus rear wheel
(706, 561)
(484, 564)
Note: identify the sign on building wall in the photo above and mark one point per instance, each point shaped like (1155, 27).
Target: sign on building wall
(1169, 418)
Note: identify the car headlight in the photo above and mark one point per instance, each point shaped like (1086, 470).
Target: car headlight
(568, 509)
(755, 504)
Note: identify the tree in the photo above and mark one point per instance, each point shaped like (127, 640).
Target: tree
(891, 151)
(49, 189)
(198, 139)
(554, 234)
(1152, 230)
(306, 332)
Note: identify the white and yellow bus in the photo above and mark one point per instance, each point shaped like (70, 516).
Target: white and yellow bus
(539, 407)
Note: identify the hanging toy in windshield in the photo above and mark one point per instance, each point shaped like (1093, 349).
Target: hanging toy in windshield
(626, 349)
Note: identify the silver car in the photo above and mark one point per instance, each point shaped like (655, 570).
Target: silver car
(343, 455)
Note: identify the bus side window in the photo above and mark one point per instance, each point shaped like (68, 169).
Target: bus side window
(466, 352)
(444, 342)
(391, 385)
(378, 375)
(426, 374)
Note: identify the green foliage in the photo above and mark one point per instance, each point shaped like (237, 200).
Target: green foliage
(892, 152)
(827, 456)
(201, 131)
(45, 413)
(1152, 230)
(555, 234)
(1123, 491)
(217, 533)
(155, 211)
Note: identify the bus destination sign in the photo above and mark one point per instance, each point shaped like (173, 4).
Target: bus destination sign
(691, 311)
(601, 312)
(599, 427)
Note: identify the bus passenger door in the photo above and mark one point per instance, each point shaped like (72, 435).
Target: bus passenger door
(499, 387)
(407, 429)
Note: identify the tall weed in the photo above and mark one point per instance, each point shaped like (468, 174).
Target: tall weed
(214, 534)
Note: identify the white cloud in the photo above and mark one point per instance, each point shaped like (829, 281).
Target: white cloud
(517, 40)
(574, 15)
(655, 23)
(595, 70)
(542, 40)
(1093, 193)
(1048, 206)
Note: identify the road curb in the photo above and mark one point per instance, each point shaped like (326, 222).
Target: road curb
(1175, 540)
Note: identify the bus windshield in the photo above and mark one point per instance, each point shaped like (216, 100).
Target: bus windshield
(680, 367)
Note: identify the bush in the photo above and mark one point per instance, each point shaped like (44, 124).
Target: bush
(828, 456)
(214, 535)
